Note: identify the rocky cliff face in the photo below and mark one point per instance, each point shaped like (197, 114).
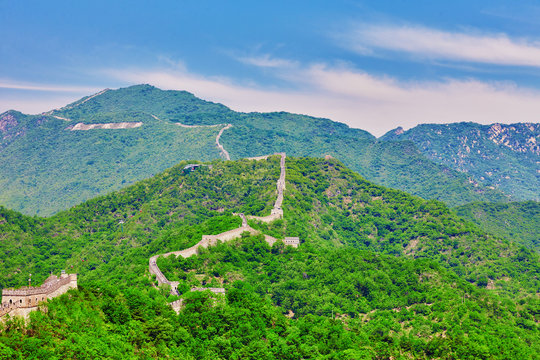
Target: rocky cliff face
(14, 125)
(502, 156)
(522, 138)
(8, 123)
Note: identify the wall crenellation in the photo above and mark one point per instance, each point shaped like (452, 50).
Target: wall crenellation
(23, 300)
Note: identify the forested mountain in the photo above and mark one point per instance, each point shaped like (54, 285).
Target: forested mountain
(379, 273)
(516, 221)
(103, 142)
(506, 157)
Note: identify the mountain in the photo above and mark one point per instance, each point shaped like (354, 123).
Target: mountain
(114, 138)
(379, 273)
(516, 221)
(505, 157)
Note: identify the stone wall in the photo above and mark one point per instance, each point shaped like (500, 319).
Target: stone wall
(206, 241)
(276, 212)
(24, 300)
(177, 305)
(210, 240)
(292, 241)
(268, 218)
(120, 125)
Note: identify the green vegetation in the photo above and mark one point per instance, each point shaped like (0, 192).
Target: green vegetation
(502, 156)
(516, 221)
(399, 165)
(50, 168)
(45, 168)
(379, 273)
(345, 303)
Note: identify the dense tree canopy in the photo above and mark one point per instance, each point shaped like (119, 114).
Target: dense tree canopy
(379, 273)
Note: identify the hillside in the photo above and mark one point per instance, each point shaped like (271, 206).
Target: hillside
(104, 142)
(505, 157)
(516, 221)
(378, 273)
(47, 168)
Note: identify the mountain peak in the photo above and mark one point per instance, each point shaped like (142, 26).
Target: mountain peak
(393, 133)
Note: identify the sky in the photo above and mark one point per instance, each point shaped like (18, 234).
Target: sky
(374, 65)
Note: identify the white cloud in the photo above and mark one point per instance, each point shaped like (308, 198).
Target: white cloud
(376, 104)
(267, 61)
(341, 93)
(425, 42)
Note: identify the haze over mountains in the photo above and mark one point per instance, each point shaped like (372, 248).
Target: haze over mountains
(50, 163)
(253, 202)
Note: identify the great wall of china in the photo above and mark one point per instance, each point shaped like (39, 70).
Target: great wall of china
(22, 301)
(209, 240)
(130, 125)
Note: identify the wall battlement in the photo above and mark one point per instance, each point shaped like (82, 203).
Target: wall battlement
(213, 290)
(26, 299)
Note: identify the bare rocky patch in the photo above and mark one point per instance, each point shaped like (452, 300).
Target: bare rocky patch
(120, 125)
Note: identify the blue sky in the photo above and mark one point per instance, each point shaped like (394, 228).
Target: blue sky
(374, 65)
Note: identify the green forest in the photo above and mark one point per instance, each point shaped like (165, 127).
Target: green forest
(379, 274)
(518, 221)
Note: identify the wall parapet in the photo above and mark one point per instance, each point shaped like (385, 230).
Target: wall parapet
(24, 300)
(46, 288)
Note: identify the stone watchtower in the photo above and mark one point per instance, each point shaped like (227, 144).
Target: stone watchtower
(292, 241)
(26, 299)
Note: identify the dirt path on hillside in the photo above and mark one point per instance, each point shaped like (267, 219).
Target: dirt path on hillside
(50, 113)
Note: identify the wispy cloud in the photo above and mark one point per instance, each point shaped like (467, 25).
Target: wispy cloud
(18, 85)
(423, 42)
(267, 61)
(361, 100)
(34, 98)
(338, 92)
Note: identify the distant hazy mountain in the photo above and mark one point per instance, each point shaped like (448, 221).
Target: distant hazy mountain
(506, 157)
(103, 142)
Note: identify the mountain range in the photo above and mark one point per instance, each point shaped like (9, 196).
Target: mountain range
(379, 273)
(114, 138)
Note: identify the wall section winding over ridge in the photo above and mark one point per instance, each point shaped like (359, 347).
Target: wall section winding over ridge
(210, 240)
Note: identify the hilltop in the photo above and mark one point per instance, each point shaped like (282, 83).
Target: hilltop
(378, 271)
(101, 143)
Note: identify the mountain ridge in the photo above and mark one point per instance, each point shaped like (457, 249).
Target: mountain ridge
(102, 160)
(502, 156)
